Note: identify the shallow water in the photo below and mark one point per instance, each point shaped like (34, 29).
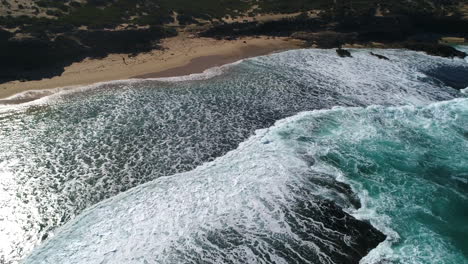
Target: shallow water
(75, 149)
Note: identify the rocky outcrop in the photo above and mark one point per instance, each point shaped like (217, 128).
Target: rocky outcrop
(326, 39)
(435, 49)
(455, 77)
(343, 53)
(382, 57)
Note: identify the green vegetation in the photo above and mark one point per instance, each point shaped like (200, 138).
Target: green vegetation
(52, 4)
(95, 17)
(37, 47)
(207, 8)
(288, 6)
(98, 14)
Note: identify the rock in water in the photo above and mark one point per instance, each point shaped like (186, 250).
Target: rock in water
(343, 53)
(455, 77)
(382, 57)
(436, 49)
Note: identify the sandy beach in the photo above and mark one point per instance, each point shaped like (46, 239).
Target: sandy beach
(181, 55)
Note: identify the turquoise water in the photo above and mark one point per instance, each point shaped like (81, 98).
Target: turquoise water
(407, 165)
(410, 168)
(178, 169)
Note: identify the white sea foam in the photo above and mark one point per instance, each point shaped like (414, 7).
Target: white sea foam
(351, 76)
(365, 77)
(463, 48)
(205, 75)
(251, 190)
(171, 219)
(46, 95)
(89, 146)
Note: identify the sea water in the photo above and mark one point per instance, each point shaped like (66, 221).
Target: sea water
(324, 186)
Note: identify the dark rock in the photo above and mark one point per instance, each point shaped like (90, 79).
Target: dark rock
(326, 39)
(364, 236)
(343, 53)
(455, 77)
(435, 49)
(425, 37)
(382, 57)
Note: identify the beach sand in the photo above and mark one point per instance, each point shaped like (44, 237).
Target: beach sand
(181, 55)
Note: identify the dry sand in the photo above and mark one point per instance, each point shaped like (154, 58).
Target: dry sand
(182, 55)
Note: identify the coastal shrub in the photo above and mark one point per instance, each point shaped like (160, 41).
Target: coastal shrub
(27, 54)
(17, 21)
(52, 4)
(107, 14)
(75, 4)
(288, 6)
(206, 8)
(94, 17)
(44, 25)
(283, 27)
(53, 13)
(442, 25)
(127, 41)
(55, 42)
(186, 19)
(40, 57)
(99, 2)
(155, 18)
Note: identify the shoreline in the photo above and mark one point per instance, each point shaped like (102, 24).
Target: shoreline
(179, 56)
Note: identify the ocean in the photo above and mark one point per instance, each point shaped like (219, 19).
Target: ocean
(296, 157)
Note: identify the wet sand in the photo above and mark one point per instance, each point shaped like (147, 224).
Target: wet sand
(196, 65)
(200, 64)
(181, 55)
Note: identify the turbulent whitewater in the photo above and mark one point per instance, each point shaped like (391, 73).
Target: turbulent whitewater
(268, 201)
(325, 186)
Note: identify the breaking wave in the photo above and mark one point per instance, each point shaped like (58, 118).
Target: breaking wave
(72, 150)
(278, 197)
